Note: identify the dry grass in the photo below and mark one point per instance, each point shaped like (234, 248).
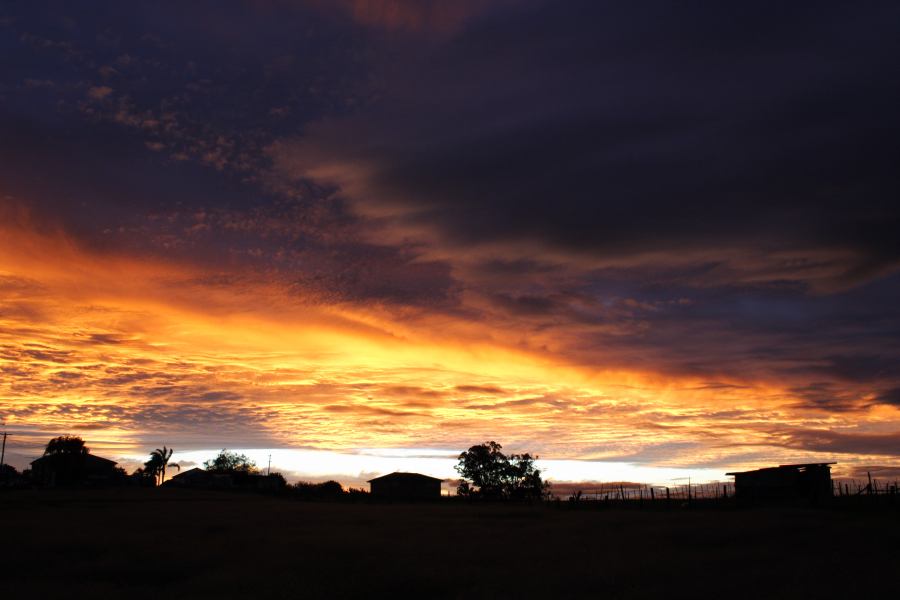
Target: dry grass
(178, 544)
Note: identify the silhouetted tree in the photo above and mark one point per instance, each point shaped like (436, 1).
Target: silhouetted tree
(483, 465)
(144, 477)
(119, 476)
(8, 473)
(278, 480)
(230, 462)
(159, 460)
(523, 480)
(68, 445)
(490, 474)
(327, 490)
(65, 456)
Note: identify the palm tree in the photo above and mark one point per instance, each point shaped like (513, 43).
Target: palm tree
(152, 468)
(159, 460)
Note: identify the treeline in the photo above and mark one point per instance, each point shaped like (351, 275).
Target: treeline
(68, 462)
(486, 473)
(328, 491)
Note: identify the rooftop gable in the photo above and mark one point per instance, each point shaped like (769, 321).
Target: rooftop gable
(87, 457)
(398, 476)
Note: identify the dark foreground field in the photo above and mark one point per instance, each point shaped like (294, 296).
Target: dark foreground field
(167, 543)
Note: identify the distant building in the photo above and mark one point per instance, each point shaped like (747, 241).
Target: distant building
(54, 470)
(198, 478)
(406, 487)
(202, 479)
(810, 481)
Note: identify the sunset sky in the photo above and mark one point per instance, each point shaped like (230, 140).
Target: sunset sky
(643, 240)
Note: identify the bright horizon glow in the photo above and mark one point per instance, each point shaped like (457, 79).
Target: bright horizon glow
(355, 469)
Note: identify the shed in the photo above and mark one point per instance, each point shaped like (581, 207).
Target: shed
(406, 487)
(810, 481)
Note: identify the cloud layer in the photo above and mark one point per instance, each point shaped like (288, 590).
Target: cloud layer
(662, 235)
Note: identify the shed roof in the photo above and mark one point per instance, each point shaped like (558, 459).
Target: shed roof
(397, 476)
(785, 467)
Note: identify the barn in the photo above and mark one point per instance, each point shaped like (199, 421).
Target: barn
(811, 481)
(405, 487)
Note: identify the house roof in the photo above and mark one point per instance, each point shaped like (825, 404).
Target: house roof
(785, 467)
(191, 473)
(397, 476)
(87, 457)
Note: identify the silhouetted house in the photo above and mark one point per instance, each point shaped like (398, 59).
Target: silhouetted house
(54, 470)
(201, 479)
(192, 478)
(407, 487)
(810, 481)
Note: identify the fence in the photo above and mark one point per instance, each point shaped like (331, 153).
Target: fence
(653, 494)
(845, 492)
(870, 487)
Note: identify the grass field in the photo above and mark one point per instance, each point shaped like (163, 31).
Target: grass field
(166, 543)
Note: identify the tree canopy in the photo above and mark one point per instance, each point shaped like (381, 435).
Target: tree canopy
(70, 445)
(488, 473)
(230, 462)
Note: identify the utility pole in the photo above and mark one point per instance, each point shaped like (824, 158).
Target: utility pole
(269, 468)
(3, 454)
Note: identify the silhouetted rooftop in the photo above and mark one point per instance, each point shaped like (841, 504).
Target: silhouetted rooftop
(191, 473)
(798, 466)
(87, 458)
(405, 477)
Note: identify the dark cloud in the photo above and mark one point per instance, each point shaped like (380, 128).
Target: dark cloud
(618, 131)
(862, 367)
(891, 473)
(363, 410)
(480, 389)
(526, 304)
(416, 16)
(408, 390)
(539, 402)
(703, 191)
(828, 396)
(891, 396)
(815, 440)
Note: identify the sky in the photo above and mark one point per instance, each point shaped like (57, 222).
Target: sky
(641, 240)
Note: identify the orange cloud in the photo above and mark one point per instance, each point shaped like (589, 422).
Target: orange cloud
(135, 351)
